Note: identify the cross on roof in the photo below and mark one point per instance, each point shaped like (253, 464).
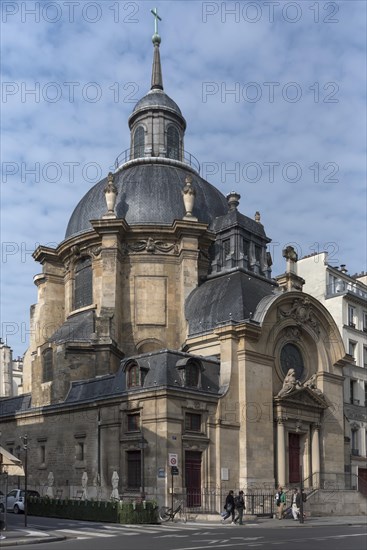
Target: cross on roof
(156, 17)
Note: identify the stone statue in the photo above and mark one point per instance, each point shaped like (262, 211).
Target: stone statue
(115, 483)
(50, 485)
(311, 383)
(85, 486)
(98, 485)
(290, 383)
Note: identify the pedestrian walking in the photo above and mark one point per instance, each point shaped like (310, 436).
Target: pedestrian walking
(296, 503)
(239, 503)
(280, 501)
(229, 506)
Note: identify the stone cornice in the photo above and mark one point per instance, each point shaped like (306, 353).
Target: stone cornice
(44, 254)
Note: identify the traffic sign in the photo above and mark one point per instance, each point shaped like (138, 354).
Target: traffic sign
(174, 471)
(173, 459)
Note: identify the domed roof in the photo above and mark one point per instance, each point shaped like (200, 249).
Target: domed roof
(156, 98)
(231, 296)
(149, 193)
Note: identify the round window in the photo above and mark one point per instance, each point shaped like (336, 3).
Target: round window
(291, 358)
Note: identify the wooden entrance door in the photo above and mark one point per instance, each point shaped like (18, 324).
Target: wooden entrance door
(362, 481)
(294, 458)
(193, 478)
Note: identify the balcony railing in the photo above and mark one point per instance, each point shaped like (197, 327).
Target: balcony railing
(187, 158)
(341, 287)
(355, 452)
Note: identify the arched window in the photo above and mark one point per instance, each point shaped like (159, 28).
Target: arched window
(135, 375)
(173, 143)
(47, 365)
(83, 284)
(139, 145)
(192, 372)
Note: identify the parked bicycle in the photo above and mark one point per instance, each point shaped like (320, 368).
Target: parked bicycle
(166, 513)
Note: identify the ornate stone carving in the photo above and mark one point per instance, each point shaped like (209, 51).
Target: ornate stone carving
(96, 251)
(289, 384)
(293, 333)
(311, 383)
(290, 254)
(152, 246)
(115, 483)
(75, 250)
(301, 311)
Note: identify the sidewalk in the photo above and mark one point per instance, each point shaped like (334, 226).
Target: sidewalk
(15, 537)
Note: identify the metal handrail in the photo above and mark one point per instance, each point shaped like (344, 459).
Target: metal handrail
(187, 158)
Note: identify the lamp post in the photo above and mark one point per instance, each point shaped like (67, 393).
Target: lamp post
(142, 446)
(301, 519)
(24, 439)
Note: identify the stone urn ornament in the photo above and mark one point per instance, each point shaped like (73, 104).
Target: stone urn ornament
(111, 193)
(188, 194)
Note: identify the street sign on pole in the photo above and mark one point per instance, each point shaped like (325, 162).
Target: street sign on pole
(172, 459)
(174, 471)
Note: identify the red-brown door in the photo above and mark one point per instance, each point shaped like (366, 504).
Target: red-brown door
(193, 478)
(294, 454)
(362, 481)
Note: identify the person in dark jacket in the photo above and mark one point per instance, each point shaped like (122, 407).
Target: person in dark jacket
(229, 507)
(240, 507)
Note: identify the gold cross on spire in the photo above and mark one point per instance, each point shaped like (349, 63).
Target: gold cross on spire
(156, 17)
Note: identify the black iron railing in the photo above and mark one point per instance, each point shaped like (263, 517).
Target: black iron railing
(187, 158)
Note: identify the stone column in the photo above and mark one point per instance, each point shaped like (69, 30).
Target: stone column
(281, 451)
(315, 450)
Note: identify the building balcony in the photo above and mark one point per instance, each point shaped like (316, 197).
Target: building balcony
(355, 452)
(185, 157)
(344, 287)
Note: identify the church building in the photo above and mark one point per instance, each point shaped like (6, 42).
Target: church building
(160, 338)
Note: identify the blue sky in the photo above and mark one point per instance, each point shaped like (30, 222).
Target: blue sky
(273, 94)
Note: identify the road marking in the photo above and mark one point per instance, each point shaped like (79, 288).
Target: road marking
(36, 534)
(85, 533)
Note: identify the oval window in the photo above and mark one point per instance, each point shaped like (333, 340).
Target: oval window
(291, 358)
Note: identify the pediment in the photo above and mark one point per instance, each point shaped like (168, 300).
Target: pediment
(303, 396)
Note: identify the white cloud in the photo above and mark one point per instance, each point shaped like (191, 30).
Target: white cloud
(224, 129)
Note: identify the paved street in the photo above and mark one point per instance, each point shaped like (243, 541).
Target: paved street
(262, 535)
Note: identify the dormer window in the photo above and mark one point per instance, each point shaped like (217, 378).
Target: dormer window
(190, 372)
(139, 142)
(83, 285)
(135, 375)
(173, 143)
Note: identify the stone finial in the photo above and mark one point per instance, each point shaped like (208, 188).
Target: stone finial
(233, 200)
(111, 193)
(257, 217)
(290, 280)
(188, 194)
(292, 257)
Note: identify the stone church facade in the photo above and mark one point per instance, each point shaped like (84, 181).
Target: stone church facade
(159, 333)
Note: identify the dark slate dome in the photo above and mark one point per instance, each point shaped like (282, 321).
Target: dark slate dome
(232, 296)
(157, 98)
(149, 193)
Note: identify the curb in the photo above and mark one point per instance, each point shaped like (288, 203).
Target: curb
(23, 540)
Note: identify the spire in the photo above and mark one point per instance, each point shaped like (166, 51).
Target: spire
(157, 80)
